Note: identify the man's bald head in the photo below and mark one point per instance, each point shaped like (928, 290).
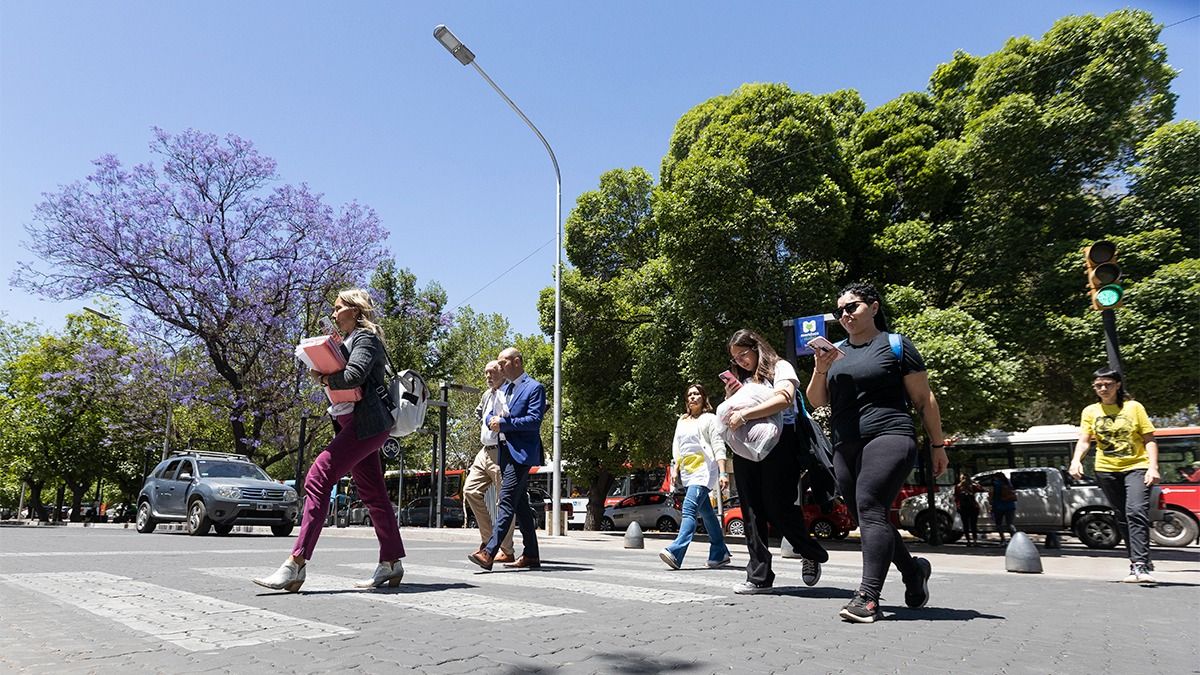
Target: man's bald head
(512, 363)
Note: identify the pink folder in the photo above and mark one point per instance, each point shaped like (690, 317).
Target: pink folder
(323, 355)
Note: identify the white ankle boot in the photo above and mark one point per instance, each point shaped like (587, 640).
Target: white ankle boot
(289, 577)
(385, 573)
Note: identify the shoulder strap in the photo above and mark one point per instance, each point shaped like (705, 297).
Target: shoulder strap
(897, 346)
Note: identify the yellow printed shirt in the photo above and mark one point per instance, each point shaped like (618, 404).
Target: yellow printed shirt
(1118, 432)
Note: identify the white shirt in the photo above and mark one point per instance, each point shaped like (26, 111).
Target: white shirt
(493, 405)
(695, 450)
(784, 373)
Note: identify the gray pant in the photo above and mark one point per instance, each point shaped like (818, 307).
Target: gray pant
(1130, 497)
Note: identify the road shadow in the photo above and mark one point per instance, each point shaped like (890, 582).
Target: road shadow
(635, 662)
(939, 614)
(813, 592)
(1158, 584)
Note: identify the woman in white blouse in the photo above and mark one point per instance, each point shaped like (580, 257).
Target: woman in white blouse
(698, 455)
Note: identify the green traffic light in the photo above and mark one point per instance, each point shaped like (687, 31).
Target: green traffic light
(1109, 296)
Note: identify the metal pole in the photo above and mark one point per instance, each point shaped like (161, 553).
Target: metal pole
(300, 451)
(1111, 345)
(441, 475)
(556, 496)
(400, 487)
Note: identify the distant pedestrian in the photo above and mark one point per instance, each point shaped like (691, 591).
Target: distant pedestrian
(1004, 505)
(869, 385)
(520, 449)
(1126, 463)
(968, 507)
(769, 486)
(698, 455)
(484, 473)
(362, 428)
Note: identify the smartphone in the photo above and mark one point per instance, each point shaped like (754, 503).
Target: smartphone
(820, 344)
(730, 379)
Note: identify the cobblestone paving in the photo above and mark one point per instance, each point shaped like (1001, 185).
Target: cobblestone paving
(99, 600)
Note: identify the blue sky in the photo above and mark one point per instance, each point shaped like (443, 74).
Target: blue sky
(358, 100)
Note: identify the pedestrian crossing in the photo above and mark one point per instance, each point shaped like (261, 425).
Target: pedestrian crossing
(202, 622)
(186, 620)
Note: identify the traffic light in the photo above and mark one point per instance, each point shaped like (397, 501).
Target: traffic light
(1103, 275)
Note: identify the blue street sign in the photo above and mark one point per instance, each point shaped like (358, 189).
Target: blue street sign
(807, 328)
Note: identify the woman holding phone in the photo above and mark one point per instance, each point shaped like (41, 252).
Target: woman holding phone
(869, 388)
(769, 487)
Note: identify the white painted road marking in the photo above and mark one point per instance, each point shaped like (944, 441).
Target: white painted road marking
(707, 578)
(187, 620)
(450, 602)
(562, 582)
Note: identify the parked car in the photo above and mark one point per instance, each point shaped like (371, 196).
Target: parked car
(537, 508)
(1048, 500)
(214, 490)
(1180, 524)
(416, 512)
(651, 511)
(836, 524)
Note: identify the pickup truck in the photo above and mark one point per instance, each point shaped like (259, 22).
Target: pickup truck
(1048, 501)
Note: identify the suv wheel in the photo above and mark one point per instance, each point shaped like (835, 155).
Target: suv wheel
(607, 524)
(943, 525)
(822, 528)
(282, 529)
(1098, 530)
(223, 528)
(198, 523)
(666, 524)
(145, 521)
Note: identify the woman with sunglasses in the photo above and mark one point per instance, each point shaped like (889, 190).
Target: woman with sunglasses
(769, 487)
(874, 441)
(1126, 464)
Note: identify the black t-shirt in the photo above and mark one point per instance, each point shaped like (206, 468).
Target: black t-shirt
(866, 390)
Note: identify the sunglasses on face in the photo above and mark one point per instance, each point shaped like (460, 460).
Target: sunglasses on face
(848, 308)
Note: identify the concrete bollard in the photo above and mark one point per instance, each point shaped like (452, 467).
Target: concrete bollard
(1022, 555)
(786, 550)
(634, 537)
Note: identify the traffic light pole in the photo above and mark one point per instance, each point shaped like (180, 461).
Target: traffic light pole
(1111, 345)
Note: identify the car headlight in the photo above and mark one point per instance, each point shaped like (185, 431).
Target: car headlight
(289, 495)
(229, 492)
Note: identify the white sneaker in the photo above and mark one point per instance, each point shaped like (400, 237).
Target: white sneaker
(1143, 574)
(665, 556)
(385, 573)
(714, 564)
(1132, 577)
(289, 577)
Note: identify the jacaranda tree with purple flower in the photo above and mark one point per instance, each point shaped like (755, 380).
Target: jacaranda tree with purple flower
(212, 245)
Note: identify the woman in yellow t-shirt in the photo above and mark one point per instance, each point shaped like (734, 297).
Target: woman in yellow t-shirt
(1126, 464)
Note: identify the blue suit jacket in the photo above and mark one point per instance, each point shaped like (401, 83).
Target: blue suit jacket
(522, 427)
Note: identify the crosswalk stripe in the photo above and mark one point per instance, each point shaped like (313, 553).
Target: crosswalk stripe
(711, 579)
(568, 582)
(452, 603)
(180, 551)
(187, 620)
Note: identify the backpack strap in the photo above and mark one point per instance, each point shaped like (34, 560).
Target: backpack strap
(897, 346)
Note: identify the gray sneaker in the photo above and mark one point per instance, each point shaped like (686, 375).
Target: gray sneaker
(719, 563)
(751, 588)
(810, 572)
(666, 556)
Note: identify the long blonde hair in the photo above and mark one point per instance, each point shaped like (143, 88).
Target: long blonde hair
(359, 299)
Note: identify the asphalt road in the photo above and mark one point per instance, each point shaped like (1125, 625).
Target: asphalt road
(107, 600)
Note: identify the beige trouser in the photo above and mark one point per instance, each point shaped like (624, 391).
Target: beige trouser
(485, 473)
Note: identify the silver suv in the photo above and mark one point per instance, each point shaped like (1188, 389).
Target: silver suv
(214, 490)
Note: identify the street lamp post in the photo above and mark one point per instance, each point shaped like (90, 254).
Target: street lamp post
(174, 372)
(467, 58)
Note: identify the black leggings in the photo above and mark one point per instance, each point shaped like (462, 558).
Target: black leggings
(869, 478)
(768, 490)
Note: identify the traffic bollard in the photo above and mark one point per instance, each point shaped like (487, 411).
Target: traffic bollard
(634, 537)
(1022, 555)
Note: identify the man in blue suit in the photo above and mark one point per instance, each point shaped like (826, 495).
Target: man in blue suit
(519, 449)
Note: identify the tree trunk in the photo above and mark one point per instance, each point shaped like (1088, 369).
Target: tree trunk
(56, 517)
(77, 491)
(36, 508)
(596, 495)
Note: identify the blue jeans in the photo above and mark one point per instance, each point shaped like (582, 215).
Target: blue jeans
(697, 499)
